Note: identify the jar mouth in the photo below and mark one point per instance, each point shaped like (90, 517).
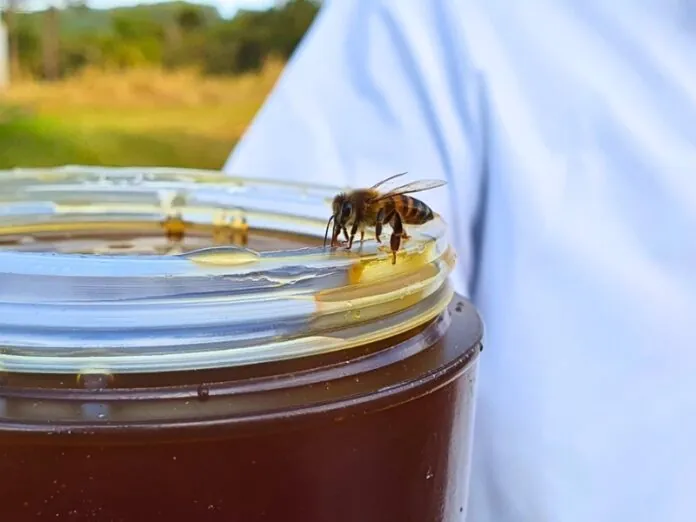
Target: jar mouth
(197, 308)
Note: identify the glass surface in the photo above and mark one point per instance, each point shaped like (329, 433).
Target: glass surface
(179, 346)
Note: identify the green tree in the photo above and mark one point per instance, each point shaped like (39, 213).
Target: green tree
(136, 41)
(242, 44)
(291, 23)
(173, 34)
(190, 19)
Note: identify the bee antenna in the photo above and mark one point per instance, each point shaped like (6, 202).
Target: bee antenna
(326, 234)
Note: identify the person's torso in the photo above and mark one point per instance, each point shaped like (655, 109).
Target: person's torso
(587, 278)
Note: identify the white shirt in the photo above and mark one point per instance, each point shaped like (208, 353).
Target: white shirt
(567, 133)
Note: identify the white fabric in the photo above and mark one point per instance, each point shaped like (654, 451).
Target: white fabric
(567, 133)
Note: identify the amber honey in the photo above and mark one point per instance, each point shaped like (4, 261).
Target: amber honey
(262, 380)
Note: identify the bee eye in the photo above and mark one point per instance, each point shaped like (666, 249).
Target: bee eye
(347, 208)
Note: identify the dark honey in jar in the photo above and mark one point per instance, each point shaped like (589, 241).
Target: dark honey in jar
(255, 378)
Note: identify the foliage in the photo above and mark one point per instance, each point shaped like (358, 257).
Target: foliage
(170, 84)
(170, 35)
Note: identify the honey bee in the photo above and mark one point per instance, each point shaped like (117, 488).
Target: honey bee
(370, 207)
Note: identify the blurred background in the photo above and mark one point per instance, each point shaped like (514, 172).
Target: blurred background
(112, 82)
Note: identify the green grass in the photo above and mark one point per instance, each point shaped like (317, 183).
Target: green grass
(44, 142)
(137, 118)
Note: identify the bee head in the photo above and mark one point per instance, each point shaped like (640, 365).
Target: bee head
(342, 209)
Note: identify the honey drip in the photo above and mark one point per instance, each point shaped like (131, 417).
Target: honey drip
(227, 229)
(174, 225)
(174, 228)
(230, 230)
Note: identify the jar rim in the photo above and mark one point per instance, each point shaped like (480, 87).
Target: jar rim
(207, 308)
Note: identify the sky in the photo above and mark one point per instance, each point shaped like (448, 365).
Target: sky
(226, 7)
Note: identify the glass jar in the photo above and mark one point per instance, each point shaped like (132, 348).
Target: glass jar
(179, 345)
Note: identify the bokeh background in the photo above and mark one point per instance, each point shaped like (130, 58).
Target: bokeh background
(110, 82)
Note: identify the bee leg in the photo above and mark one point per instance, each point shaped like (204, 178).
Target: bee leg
(353, 231)
(397, 231)
(334, 237)
(362, 236)
(345, 233)
(378, 225)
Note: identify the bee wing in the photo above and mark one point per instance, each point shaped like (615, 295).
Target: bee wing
(414, 186)
(385, 180)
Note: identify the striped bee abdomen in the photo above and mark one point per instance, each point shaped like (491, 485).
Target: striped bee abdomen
(413, 211)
